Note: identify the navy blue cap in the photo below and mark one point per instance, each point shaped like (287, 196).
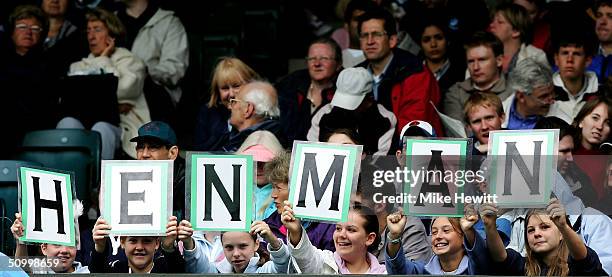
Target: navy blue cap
(156, 130)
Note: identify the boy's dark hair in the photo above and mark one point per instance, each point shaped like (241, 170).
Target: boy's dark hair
(600, 3)
(577, 40)
(487, 40)
(361, 5)
(379, 13)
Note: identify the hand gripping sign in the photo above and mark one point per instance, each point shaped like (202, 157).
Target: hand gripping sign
(45, 203)
(438, 174)
(522, 166)
(321, 178)
(219, 191)
(136, 196)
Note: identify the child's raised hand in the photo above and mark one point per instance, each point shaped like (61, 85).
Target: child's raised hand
(17, 227)
(100, 231)
(262, 229)
(396, 223)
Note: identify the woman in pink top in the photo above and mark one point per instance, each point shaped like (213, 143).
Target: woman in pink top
(353, 241)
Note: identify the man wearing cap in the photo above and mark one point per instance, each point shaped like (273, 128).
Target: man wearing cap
(353, 107)
(157, 141)
(401, 83)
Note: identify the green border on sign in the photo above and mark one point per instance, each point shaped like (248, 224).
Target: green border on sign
(462, 166)
(548, 177)
(106, 213)
(249, 190)
(24, 204)
(353, 151)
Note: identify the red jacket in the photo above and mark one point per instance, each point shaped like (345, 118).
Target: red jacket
(406, 88)
(410, 100)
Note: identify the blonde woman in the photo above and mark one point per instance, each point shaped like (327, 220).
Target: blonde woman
(212, 121)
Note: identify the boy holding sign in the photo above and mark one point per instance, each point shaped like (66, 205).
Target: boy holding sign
(140, 251)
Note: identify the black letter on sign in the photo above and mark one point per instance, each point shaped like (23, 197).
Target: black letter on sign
(310, 170)
(48, 204)
(124, 216)
(531, 180)
(212, 179)
(435, 164)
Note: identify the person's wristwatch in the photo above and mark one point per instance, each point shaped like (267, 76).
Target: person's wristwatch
(393, 241)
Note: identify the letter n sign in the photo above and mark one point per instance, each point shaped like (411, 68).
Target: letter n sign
(46, 206)
(221, 192)
(137, 196)
(523, 165)
(321, 180)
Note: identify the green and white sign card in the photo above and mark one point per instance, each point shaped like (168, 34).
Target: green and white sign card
(45, 198)
(137, 196)
(220, 191)
(437, 170)
(322, 176)
(523, 166)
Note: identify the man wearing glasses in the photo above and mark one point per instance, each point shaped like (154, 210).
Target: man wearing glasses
(254, 108)
(533, 87)
(303, 92)
(401, 83)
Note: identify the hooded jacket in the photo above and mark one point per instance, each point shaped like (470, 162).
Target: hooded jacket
(196, 261)
(162, 45)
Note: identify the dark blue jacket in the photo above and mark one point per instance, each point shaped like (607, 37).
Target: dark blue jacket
(211, 125)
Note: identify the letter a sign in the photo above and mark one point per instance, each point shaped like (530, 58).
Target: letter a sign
(221, 192)
(137, 196)
(45, 198)
(321, 180)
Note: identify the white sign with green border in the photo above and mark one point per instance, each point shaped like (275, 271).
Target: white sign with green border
(45, 198)
(220, 189)
(439, 166)
(322, 176)
(136, 196)
(523, 165)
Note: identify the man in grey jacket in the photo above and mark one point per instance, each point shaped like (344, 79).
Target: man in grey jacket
(484, 54)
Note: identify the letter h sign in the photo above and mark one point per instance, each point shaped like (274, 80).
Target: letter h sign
(45, 203)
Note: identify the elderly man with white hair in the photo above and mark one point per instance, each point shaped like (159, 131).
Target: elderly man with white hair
(254, 108)
(532, 84)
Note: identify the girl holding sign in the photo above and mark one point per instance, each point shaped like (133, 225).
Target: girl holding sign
(451, 255)
(553, 247)
(353, 241)
(240, 249)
